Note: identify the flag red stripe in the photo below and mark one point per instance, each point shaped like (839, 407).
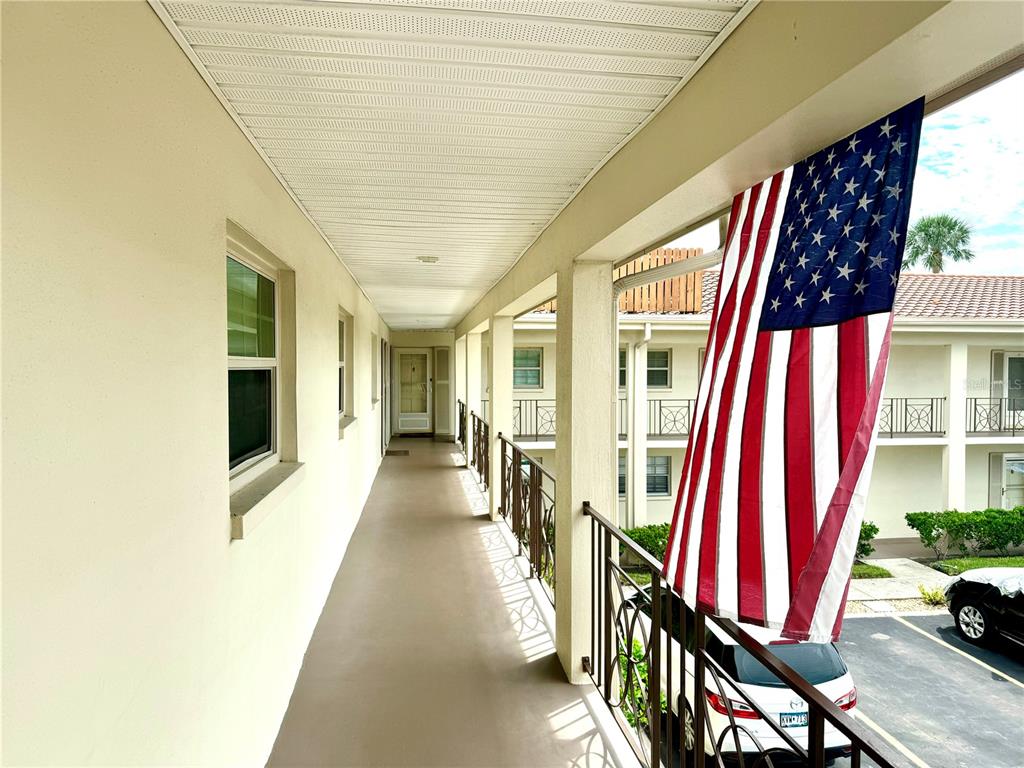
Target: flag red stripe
(724, 322)
(808, 592)
(853, 381)
(708, 570)
(750, 556)
(799, 447)
(737, 204)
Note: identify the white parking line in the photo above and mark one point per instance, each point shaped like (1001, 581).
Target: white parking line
(891, 739)
(966, 655)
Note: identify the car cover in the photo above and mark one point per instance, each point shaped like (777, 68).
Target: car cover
(1009, 581)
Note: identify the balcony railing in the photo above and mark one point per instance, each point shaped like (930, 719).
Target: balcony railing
(669, 418)
(920, 416)
(534, 420)
(528, 506)
(648, 676)
(995, 415)
(480, 455)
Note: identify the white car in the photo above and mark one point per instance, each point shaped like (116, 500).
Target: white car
(818, 663)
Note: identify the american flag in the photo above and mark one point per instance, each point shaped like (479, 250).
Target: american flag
(776, 473)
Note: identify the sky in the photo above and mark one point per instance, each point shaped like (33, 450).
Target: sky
(970, 164)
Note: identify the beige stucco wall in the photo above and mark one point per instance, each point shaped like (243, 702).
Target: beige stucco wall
(135, 631)
(917, 371)
(905, 478)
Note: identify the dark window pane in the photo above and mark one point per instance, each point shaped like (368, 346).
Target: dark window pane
(250, 312)
(526, 358)
(526, 378)
(816, 663)
(622, 367)
(657, 358)
(657, 378)
(341, 389)
(622, 475)
(249, 414)
(341, 341)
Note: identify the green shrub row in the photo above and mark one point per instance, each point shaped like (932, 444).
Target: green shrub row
(969, 533)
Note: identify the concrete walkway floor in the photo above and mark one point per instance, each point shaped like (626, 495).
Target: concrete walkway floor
(430, 650)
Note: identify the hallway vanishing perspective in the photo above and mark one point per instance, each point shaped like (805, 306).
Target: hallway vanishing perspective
(430, 650)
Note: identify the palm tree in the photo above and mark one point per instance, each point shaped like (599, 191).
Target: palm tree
(935, 238)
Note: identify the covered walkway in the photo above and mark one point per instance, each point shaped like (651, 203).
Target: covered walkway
(431, 650)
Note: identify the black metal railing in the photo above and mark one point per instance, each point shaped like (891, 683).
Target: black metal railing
(671, 688)
(461, 426)
(528, 506)
(996, 415)
(911, 416)
(533, 419)
(480, 453)
(669, 418)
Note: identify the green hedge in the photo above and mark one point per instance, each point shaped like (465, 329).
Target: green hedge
(969, 533)
(653, 538)
(868, 531)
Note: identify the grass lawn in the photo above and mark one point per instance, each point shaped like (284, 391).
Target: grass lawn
(869, 571)
(957, 565)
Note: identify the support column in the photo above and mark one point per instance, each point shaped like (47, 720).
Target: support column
(954, 458)
(499, 375)
(639, 429)
(585, 451)
(472, 386)
(460, 369)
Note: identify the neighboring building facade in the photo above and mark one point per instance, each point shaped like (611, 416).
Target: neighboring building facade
(951, 429)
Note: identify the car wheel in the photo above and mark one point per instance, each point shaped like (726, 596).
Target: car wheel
(973, 623)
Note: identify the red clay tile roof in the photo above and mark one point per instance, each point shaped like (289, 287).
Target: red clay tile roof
(938, 296)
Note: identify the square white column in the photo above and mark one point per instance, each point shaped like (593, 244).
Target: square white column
(473, 346)
(637, 455)
(499, 375)
(585, 452)
(954, 458)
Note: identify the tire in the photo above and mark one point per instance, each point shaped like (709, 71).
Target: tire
(974, 623)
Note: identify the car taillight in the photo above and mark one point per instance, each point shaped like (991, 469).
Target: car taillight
(847, 701)
(739, 709)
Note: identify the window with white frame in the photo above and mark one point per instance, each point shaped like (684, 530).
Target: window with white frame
(527, 368)
(659, 474)
(252, 365)
(659, 364)
(622, 367)
(701, 351)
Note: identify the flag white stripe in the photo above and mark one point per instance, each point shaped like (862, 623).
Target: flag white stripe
(825, 401)
(773, 484)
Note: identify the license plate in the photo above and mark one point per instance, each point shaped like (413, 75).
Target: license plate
(793, 719)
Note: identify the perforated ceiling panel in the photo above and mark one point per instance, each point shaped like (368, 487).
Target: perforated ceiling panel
(442, 129)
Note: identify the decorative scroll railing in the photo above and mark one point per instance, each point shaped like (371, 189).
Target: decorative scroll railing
(998, 415)
(480, 453)
(911, 416)
(528, 506)
(654, 659)
(534, 420)
(669, 418)
(461, 426)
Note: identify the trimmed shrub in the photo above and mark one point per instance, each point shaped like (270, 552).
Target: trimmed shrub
(653, 538)
(969, 533)
(868, 531)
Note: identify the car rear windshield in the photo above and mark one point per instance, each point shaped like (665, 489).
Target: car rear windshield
(814, 662)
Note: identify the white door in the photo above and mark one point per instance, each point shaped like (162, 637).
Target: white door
(1013, 480)
(413, 387)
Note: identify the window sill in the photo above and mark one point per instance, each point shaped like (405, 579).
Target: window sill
(344, 422)
(251, 505)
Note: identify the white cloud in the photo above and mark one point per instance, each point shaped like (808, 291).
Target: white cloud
(971, 164)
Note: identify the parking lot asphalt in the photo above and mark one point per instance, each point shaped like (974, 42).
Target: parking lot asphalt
(948, 703)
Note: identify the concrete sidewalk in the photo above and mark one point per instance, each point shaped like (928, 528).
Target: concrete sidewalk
(877, 595)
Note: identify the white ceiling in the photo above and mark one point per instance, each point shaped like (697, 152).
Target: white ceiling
(454, 129)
